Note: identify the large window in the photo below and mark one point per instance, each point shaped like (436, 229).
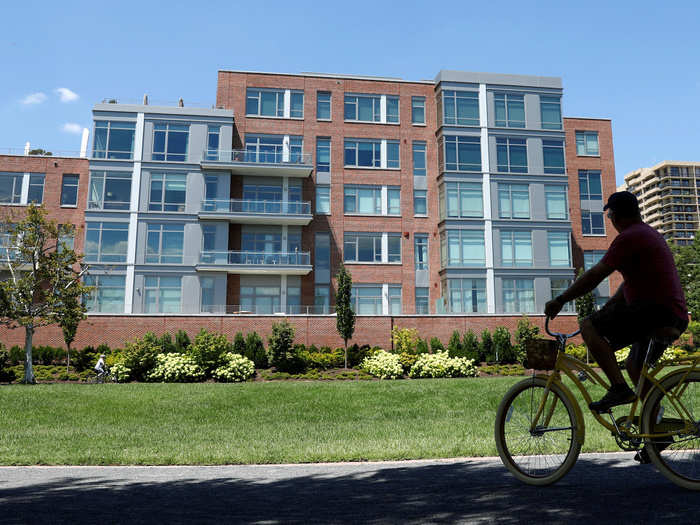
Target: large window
(323, 105)
(550, 112)
(393, 201)
(109, 190)
(462, 248)
(462, 153)
(587, 143)
(592, 223)
(11, 188)
(555, 202)
(510, 110)
(559, 249)
(418, 110)
(420, 202)
(113, 140)
(394, 299)
(558, 287)
(106, 242)
(322, 299)
(69, 189)
(590, 185)
(367, 247)
(322, 258)
(602, 292)
(265, 102)
(513, 201)
(518, 295)
(213, 140)
(107, 295)
(323, 200)
(511, 154)
(421, 250)
(553, 153)
(419, 161)
(466, 295)
(368, 153)
(208, 292)
(460, 108)
(170, 141)
(164, 243)
(367, 299)
(422, 300)
(36, 188)
(262, 242)
(461, 199)
(162, 294)
(168, 192)
(366, 200)
(516, 248)
(392, 110)
(365, 108)
(323, 155)
(296, 104)
(260, 299)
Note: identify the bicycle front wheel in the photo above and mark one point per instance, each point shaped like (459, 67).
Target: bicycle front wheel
(677, 457)
(543, 454)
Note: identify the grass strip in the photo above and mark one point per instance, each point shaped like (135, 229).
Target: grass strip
(274, 422)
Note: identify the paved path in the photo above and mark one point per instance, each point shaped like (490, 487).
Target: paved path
(601, 488)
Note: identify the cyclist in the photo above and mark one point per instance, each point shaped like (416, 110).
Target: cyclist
(649, 299)
(100, 368)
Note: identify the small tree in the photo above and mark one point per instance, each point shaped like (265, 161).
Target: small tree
(454, 345)
(69, 322)
(44, 286)
(470, 345)
(436, 345)
(182, 342)
(255, 350)
(282, 353)
(486, 352)
(239, 344)
(345, 315)
(585, 305)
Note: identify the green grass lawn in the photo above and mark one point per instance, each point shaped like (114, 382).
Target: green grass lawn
(274, 422)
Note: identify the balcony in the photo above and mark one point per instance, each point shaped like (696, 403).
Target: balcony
(269, 309)
(257, 212)
(271, 161)
(274, 263)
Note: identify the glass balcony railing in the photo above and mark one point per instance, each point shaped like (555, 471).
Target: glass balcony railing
(268, 308)
(256, 207)
(261, 155)
(255, 258)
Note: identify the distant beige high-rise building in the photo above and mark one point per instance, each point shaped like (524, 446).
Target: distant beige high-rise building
(668, 198)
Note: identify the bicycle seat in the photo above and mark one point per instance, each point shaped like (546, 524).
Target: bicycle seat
(666, 335)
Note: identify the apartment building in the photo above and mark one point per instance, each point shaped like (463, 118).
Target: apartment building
(468, 197)
(668, 198)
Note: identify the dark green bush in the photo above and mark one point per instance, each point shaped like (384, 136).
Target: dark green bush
(524, 332)
(84, 359)
(208, 350)
(281, 351)
(504, 349)
(356, 354)
(182, 342)
(470, 346)
(436, 345)
(454, 347)
(6, 374)
(325, 349)
(422, 347)
(255, 350)
(239, 343)
(140, 355)
(166, 344)
(486, 351)
(16, 355)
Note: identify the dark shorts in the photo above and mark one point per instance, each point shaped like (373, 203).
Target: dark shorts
(633, 324)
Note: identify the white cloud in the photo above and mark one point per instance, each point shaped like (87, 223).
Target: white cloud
(34, 98)
(72, 127)
(67, 95)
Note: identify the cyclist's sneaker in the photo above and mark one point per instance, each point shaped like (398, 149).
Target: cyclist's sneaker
(617, 395)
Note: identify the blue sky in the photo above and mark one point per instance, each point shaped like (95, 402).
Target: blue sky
(636, 63)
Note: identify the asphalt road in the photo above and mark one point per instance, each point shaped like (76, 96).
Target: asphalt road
(607, 488)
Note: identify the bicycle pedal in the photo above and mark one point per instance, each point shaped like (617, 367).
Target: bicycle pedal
(582, 376)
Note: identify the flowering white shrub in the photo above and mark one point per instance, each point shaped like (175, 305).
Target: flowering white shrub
(236, 368)
(120, 372)
(176, 368)
(442, 365)
(383, 365)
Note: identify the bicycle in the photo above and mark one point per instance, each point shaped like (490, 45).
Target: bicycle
(540, 428)
(99, 378)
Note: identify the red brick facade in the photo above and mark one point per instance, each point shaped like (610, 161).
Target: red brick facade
(605, 162)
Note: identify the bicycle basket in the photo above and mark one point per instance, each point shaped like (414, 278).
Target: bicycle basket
(541, 354)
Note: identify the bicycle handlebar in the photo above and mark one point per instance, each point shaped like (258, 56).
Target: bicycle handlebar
(558, 335)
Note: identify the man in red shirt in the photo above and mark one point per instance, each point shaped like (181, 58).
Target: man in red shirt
(650, 299)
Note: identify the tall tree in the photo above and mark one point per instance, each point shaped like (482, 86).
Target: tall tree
(687, 260)
(345, 315)
(44, 285)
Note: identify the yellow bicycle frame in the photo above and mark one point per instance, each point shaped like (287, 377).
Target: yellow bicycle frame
(569, 365)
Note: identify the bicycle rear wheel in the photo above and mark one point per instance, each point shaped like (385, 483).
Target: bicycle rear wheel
(544, 455)
(678, 456)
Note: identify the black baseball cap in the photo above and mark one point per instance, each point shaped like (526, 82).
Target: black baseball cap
(623, 202)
